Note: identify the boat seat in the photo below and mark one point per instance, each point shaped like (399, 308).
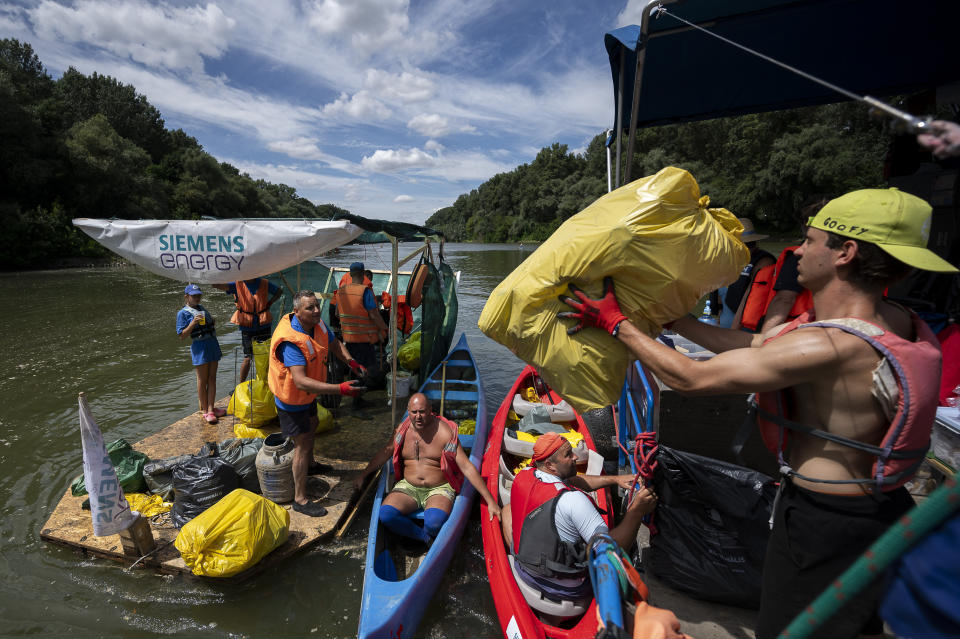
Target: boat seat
(537, 601)
(504, 482)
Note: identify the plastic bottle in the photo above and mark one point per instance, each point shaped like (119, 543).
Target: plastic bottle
(707, 317)
(953, 400)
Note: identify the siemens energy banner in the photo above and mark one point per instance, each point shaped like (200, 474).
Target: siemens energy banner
(218, 251)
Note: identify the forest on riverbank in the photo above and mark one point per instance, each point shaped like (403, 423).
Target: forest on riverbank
(764, 166)
(90, 146)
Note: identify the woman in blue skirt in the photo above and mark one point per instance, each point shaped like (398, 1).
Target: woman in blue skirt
(194, 320)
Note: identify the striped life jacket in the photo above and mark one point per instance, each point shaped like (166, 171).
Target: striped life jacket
(448, 458)
(315, 350)
(249, 305)
(355, 323)
(916, 366)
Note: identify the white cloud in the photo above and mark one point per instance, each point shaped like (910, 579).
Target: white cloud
(433, 145)
(632, 13)
(371, 23)
(160, 36)
(300, 178)
(361, 106)
(389, 160)
(431, 125)
(402, 198)
(405, 87)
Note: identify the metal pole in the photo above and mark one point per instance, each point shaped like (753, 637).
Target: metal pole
(609, 174)
(620, 116)
(395, 250)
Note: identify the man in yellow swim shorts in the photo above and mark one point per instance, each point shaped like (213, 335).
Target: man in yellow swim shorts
(430, 466)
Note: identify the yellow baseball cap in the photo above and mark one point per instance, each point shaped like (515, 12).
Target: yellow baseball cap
(897, 222)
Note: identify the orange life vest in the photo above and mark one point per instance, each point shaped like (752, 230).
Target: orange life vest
(916, 365)
(448, 458)
(385, 300)
(249, 305)
(761, 294)
(355, 323)
(404, 315)
(346, 279)
(314, 348)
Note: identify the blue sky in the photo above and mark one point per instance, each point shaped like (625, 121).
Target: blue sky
(389, 108)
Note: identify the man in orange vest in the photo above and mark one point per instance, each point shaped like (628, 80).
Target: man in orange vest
(361, 326)
(253, 313)
(299, 351)
(855, 392)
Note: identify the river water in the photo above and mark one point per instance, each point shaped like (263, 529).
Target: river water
(110, 333)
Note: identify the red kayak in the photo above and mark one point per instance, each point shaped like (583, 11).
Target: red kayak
(513, 599)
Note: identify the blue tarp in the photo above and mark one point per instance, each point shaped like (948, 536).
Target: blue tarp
(875, 47)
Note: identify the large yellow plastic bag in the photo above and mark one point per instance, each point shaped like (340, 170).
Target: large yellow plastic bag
(324, 419)
(664, 250)
(232, 535)
(408, 355)
(261, 359)
(245, 432)
(252, 403)
(147, 505)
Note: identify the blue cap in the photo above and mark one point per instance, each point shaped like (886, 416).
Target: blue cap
(192, 289)
(356, 266)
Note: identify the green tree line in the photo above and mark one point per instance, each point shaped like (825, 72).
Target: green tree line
(763, 166)
(90, 146)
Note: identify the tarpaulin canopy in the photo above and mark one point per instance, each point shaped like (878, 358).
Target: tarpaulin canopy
(378, 231)
(877, 47)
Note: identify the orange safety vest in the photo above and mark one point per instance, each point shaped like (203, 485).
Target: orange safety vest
(346, 280)
(314, 348)
(761, 294)
(249, 305)
(355, 323)
(385, 300)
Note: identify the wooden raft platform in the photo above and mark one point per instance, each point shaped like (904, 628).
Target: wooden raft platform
(69, 525)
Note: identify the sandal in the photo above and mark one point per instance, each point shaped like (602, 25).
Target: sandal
(310, 509)
(219, 412)
(210, 417)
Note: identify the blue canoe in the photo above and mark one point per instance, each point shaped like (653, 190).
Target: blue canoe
(397, 586)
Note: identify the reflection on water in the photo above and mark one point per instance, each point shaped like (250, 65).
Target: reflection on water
(110, 333)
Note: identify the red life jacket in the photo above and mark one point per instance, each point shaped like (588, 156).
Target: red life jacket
(249, 305)
(448, 458)
(533, 504)
(404, 315)
(314, 349)
(916, 366)
(761, 294)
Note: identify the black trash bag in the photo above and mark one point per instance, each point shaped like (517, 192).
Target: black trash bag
(199, 483)
(712, 527)
(158, 474)
(375, 378)
(242, 455)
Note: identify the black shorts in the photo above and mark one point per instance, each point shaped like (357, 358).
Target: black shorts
(364, 352)
(815, 538)
(299, 422)
(248, 338)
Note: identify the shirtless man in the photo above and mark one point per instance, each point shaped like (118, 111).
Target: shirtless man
(836, 499)
(430, 466)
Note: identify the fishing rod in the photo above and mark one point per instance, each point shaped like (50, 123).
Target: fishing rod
(909, 123)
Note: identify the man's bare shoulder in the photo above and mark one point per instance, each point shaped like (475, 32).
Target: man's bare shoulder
(816, 344)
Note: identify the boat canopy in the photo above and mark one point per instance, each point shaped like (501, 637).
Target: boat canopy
(210, 251)
(878, 47)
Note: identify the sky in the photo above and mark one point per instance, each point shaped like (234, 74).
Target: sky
(388, 108)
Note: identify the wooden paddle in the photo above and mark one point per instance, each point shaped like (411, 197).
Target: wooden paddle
(367, 490)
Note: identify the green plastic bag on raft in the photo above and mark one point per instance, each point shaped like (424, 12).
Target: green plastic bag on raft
(127, 462)
(408, 355)
(664, 249)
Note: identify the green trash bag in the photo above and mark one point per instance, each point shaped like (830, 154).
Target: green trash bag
(129, 465)
(408, 355)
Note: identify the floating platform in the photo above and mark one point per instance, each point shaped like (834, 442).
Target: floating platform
(358, 434)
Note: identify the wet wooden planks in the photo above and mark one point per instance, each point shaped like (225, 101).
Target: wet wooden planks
(69, 525)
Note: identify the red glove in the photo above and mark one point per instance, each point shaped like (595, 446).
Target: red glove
(349, 390)
(603, 313)
(356, 367)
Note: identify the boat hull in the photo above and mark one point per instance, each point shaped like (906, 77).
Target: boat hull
(391, 607)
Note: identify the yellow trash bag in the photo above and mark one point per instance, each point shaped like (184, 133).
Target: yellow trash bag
(467, 427)
(243, 431)
(147, 505)
(664, 249)
(261, 359)
(408, 355)
(232, 535)
(252, 403)
(324, 419)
